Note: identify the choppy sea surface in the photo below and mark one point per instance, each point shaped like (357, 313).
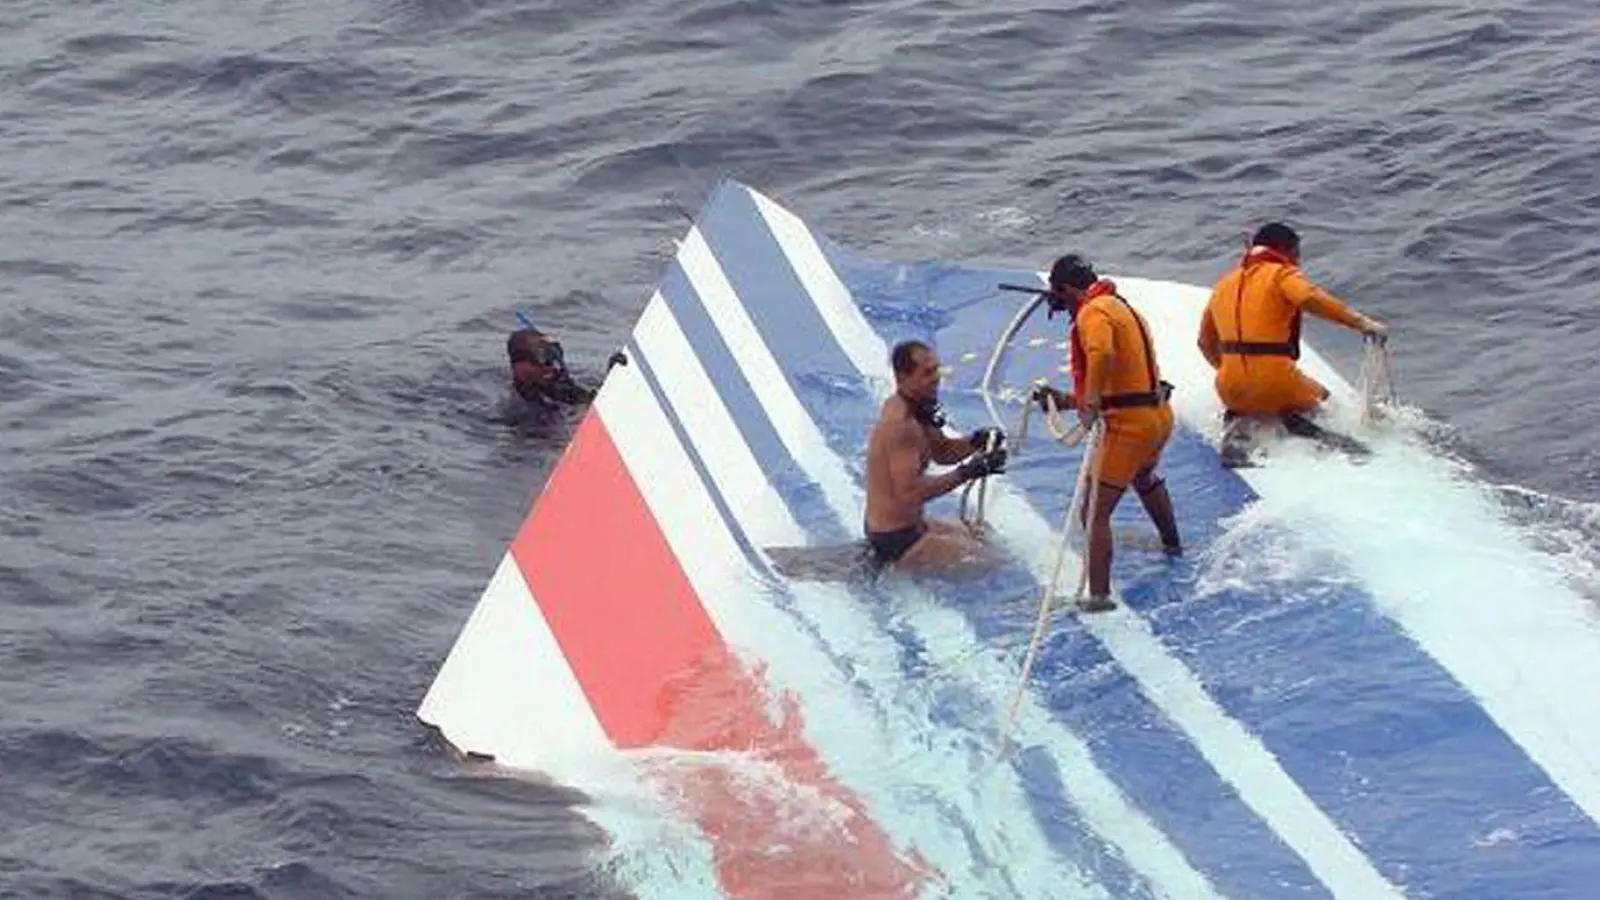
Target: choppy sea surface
(258, 263)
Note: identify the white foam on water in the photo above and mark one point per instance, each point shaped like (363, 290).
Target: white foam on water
(653, 851)
(1146, 850)
(1236, 755)
(1565, 531)
(506, 689)
(1253, 553)
(1431, 545)
(1438, 556)
(877, 737)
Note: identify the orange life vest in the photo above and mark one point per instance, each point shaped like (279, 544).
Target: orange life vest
(1158, 390)
(1269, 329)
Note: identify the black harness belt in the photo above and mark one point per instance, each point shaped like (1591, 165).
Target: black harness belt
(1159, 391)
(1255, 348)
(1140, 398)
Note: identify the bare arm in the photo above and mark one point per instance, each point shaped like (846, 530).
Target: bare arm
(906, 479)
(947, 451)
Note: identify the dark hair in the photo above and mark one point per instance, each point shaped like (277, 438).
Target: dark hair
(1279, 237)
(904, 357)
(521, 344)
(1072, 271)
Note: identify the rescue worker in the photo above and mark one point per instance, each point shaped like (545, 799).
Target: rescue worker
(1250, 334)
(1115, 379)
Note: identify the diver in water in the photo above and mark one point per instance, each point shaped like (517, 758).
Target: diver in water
(540, 378)
(908, 436)
(1250, 334)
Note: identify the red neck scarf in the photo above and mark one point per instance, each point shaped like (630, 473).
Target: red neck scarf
(1080, 359)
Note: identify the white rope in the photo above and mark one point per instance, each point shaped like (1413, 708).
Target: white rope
(1053, 423)
(1086, 491)
(1377, 385)
(1058, 429)
(1022, 427)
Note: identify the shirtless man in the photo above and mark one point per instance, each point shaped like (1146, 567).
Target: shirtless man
(907, 437)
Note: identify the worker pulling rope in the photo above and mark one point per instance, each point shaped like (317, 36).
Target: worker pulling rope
(1085, 493)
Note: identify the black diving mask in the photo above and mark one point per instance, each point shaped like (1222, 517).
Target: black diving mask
(1060, 304)
(548, 353)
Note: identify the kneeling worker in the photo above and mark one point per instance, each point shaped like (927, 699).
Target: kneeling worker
(1115, 378)
(1250, 333)
(907, 437)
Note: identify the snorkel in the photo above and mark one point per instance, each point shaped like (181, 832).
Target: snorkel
(1056, 302)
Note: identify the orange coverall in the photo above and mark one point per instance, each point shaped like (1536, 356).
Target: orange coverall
(1250, 332)
(1118, 360)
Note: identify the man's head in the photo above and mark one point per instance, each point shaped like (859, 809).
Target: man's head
(537, 362)
(1069, 278)
(1280, 237)
(916, 372)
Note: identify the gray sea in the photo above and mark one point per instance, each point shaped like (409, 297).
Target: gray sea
(258, 261)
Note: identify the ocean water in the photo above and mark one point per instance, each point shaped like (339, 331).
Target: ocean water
(259, 263)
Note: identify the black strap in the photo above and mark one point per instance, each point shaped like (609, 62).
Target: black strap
(1159, 390)
(1242, 347)
(1238, 302)
(1258, 348)
(1149, 352)
(1124, 401)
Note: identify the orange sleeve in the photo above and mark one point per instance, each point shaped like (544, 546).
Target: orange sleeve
(1094, 330)
(1209, 339)
(1304, 295)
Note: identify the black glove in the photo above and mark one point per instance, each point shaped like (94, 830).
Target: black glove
(980, 439)
(980, 464)
(1043, 392)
